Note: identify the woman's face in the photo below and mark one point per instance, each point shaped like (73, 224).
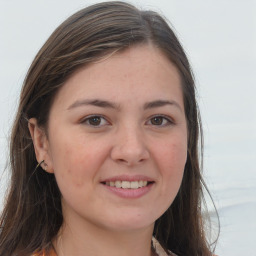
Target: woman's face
(117, 140)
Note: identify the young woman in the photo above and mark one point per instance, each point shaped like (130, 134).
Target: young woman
(105, 146)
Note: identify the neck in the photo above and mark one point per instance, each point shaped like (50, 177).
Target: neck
(98, 241)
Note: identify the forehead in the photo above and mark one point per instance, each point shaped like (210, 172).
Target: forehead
(139, 72)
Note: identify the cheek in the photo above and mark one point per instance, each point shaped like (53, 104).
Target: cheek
(171, 161)
(173, 156)
(74, 161)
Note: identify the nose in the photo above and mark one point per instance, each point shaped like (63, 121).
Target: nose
(129, 147)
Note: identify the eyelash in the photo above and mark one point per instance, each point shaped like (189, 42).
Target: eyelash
(167, 119)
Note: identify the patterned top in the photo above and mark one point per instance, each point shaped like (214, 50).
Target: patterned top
(159, 249)
(156, 245)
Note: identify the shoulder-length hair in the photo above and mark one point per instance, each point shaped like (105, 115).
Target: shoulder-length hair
(32, 215)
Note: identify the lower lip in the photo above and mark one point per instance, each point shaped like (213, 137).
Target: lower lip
(130, 193)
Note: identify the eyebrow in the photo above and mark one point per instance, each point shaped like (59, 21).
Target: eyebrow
(161, 103)
(94, 102)
(108, 104)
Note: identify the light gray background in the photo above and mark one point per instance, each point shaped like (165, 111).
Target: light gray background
(220, 40)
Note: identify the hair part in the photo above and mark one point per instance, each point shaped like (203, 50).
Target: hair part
(32, 215)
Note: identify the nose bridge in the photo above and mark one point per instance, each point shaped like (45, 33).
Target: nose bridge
(133, 137)
(130, 145)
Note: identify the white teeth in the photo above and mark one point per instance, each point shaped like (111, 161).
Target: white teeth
(118, 184)
(134, 184)
(127, 184)
(140, 183)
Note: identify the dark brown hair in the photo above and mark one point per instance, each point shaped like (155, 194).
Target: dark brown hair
(32, 215)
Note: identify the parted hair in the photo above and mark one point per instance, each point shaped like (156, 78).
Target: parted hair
(32, 214)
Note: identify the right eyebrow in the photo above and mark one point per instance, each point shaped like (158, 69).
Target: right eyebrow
(94, 102)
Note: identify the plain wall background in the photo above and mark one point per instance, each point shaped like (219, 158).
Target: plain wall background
(220, 40)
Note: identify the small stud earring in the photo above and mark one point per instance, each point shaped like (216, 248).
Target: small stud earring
(45, 166)
(42, 164)
(39, 164)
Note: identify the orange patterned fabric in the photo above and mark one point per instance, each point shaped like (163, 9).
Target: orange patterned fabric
(159, 250)
(44, 253)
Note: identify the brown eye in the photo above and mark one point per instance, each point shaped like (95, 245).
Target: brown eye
(96, 121)
(160, 121)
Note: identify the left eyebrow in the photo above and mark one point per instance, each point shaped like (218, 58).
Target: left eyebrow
(161, 103)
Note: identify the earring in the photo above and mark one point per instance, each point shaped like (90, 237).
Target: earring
(44, 165)
(39, 164)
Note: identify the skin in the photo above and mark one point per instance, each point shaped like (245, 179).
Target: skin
(126, 141)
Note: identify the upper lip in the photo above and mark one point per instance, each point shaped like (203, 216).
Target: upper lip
(128, 178)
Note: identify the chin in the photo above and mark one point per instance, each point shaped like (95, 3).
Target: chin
(131, 222)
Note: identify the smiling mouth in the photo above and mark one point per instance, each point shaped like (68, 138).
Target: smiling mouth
(127, 184)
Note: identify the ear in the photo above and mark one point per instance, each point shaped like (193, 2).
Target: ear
(41, 145)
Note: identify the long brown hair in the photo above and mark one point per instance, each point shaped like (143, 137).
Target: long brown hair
(32, 215)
